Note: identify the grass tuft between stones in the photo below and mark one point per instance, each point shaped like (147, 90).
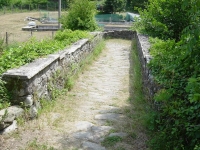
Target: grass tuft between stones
(111, 141)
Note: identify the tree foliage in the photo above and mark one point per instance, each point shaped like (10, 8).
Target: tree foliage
(80, 16)
(175, 66)
(28, 2)
(113, 6)
(165, 18)
(132, 5)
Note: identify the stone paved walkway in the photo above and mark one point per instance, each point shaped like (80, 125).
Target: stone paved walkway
(98, 113)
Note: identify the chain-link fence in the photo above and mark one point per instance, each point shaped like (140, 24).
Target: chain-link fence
(32, 7)
(13, 38)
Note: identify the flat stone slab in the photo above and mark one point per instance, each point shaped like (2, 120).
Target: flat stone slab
(84, 125)
(111, 110)
(108, 116)
(96, 133)
(29, 70)
(120, 134)
(83, 135)
(92, 146)
(99, 129)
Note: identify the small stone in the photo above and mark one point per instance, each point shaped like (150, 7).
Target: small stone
(33, 112)
(4, 125)
(21, 92)
(111, 110)
(108, 116)
(28, 101)
(84, 125)
(11, 128)
(8, 115)
(92, 146)
(101, 129)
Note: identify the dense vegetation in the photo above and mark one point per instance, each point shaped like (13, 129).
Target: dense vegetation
(25, 53)
(105, 6)
(113, 6)
(51, 5)
(80, 16)
(174, 24)
(19, 2)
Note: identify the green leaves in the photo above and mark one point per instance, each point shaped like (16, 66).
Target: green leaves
(193, 90)
(175, 67)
(80, 16)
(164, 19)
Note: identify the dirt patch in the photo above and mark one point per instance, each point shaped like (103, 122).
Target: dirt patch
(93, 115)
(13, 23)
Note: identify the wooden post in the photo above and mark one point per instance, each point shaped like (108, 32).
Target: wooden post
(52, 34)
(7, 38)
(31, 33)
(59, 14)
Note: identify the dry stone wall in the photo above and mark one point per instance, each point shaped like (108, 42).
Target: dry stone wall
(151, 87)
(123, 34)
(36, 80)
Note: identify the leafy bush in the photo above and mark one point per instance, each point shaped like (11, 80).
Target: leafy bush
(80, 16)
(175, 67)
(164, 18)
(177, 123)
(69, 36)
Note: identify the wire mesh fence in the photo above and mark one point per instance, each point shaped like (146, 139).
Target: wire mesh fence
(31, 7)
(14, 38)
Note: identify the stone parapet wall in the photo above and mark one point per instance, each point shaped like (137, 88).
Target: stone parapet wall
(32, 82)
(36, 80)
(143, 47)
(123, 34)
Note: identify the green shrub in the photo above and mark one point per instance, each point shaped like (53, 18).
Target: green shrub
(175, 67)
(177, 122)
(80, 16)
(164, 18)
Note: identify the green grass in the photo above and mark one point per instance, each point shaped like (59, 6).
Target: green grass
(140, 111)
(34, 145)
(111, 141)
